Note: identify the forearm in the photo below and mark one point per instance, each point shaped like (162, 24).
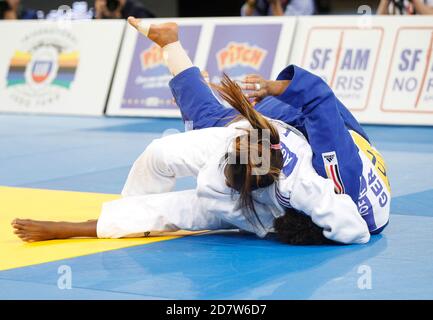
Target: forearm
(277, 87)
(294, 86)
(276, 8)
(383, 7)
(422, 8)
(197, 102)
(248, 9)
(306, 91)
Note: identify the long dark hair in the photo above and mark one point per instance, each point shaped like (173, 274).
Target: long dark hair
(240, 174)
(297, 228)
(293, 227)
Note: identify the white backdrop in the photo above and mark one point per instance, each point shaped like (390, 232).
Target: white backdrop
(57, 67)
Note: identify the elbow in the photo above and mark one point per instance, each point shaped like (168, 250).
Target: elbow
(345, 236)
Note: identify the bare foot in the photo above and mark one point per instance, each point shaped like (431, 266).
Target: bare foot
(32, 230)
(162, 34)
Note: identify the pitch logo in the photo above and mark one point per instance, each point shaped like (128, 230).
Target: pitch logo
(243, 54)
(43, 68)
(151, 57)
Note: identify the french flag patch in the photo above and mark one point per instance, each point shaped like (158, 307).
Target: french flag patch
(330, 162)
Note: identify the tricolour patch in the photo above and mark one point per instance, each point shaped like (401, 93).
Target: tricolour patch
(290, 160)
(330, 162)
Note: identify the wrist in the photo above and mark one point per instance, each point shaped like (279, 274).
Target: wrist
(276, 87)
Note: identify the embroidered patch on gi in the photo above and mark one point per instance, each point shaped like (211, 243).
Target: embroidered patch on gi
(290, 160)
(330, 162)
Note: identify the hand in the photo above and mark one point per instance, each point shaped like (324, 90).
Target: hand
(257, 87)
(260, 88)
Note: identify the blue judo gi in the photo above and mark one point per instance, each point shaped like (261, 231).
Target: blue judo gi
(309, 105)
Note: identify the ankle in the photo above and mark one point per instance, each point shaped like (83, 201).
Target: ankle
(163, 34)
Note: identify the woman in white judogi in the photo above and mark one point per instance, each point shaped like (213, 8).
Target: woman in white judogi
(229, 194)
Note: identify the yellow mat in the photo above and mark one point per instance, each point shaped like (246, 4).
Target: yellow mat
(54, 205)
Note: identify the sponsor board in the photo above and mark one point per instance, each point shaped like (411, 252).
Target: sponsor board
(343, 53)
(346, 58)
(47, 67)
(409, 81)
(381, 68)
(238, 50)
(148, 76)
(232, 45)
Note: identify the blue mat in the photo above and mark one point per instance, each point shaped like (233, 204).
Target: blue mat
(95, 154)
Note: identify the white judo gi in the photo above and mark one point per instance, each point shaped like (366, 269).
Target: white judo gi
(148, 204)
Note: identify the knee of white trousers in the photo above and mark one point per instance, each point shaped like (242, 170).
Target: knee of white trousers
(150, 173)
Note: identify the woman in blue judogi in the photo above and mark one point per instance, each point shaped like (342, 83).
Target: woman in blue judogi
(341, 149)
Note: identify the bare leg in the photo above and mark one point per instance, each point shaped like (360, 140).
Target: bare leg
(162, 34)
(33, 230)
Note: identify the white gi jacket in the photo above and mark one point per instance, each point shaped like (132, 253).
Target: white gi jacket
(149, 205)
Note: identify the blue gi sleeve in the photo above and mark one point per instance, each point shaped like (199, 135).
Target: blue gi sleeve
(335, 154)
(349, 119)
(197, 103)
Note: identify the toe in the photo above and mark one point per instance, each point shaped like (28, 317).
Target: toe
(18, 221)
(18, 226)
(23, 222)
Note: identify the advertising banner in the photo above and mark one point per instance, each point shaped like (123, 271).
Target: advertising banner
(379, 67)
(148, 77)
(140, 86)
(57, 67)
(238, 50)
(344, 53)
(232, 45)
(409, 78)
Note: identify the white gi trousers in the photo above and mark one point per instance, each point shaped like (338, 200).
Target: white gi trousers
(147, 202)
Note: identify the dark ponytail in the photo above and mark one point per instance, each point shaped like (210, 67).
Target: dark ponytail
(293, 227)
(240, 176)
